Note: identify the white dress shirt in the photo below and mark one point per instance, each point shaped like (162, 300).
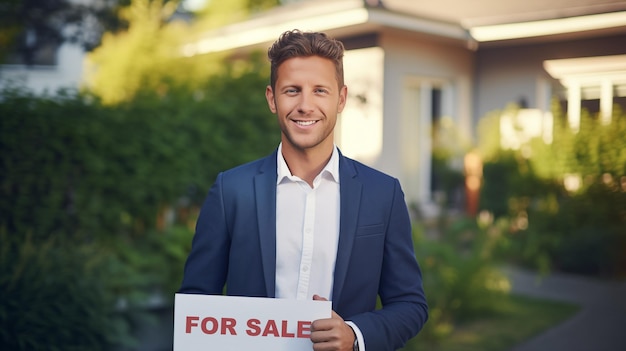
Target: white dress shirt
(307, 233)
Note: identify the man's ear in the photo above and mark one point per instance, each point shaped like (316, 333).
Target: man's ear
(343, 96)
(269, 96)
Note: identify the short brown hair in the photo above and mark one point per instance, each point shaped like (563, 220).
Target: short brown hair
(295, 43)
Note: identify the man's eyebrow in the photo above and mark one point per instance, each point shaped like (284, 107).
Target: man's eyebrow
(299, 86)
(290, 86)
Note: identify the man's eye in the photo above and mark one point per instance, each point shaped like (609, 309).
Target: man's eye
(291, 91)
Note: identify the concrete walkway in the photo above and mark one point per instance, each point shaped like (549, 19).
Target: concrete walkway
(600, 325)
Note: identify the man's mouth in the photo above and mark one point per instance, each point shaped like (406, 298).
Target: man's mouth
(305, 123)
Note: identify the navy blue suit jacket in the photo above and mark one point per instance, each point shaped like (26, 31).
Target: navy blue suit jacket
(235, 246)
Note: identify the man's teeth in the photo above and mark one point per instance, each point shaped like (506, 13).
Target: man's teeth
(305, 123)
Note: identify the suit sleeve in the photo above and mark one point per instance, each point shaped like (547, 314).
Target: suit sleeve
(404, 309)
(207, 264)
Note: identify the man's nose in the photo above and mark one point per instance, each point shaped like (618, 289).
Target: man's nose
(305, 105)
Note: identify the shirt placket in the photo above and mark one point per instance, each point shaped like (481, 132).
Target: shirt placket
(306, 259)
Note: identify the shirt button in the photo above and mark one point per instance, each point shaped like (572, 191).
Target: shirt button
(305, 268)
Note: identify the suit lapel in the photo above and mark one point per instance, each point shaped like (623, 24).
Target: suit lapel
(350, 200)
(265, 195)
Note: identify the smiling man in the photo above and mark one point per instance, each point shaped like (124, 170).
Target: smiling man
(309, 223)
(306, 96)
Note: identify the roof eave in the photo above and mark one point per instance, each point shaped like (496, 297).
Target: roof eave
(264, 30)
(549, 27)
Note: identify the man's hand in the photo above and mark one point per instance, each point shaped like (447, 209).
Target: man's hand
(331, 334)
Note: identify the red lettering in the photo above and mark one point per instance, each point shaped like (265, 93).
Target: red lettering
(271, 328)
(285, 333)
(253, 327)
(304, 329)
(213, 328)
(228, 324)
(191, 322)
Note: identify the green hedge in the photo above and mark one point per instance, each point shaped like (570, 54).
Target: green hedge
(98, 203)
(579, 230)
(53, 299)
(71, 165)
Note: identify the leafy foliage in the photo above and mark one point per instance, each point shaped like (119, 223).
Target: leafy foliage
(147, 56)
(565, 201)
(116, 189)
(83, 168)
(460, 279)
(151, 54)
(52, 300)
(100, 189)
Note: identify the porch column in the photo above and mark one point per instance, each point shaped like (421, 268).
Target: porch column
(606, 101)
(573, 105)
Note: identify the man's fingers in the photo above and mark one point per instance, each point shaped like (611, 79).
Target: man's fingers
(319, 298)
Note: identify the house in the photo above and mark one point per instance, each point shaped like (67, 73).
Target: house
(411, 65)
(44, 44)
(57, 68)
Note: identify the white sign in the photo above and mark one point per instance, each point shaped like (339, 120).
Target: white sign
(229, 323)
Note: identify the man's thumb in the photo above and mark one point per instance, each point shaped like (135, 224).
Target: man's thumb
(319, 298)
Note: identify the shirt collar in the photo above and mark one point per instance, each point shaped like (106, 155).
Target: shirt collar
(331, 169)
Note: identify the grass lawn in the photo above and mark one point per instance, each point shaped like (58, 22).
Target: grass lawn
(518, 319)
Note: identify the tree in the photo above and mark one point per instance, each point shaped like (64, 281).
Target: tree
(149, 54)
(30, 27)
(142, 56)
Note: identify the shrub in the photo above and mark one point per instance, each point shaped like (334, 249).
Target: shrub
(578, 228)
(54, 297)
(460, 277)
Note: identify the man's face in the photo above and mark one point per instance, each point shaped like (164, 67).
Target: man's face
(306, 100)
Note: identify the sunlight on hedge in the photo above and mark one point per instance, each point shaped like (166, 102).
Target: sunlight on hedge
(565, 200)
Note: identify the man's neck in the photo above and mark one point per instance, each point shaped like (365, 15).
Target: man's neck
(308, 163)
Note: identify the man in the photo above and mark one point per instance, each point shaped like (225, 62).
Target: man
(307, 222)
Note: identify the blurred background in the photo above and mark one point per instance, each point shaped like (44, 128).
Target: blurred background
(505, 122)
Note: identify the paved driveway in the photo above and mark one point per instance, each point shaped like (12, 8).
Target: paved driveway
(600, 325)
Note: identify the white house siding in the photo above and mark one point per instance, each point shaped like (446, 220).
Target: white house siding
(68, 73)
(359, 129)
(415, 64)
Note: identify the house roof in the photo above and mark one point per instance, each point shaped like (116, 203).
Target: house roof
(462, 20)
(490, 20)
(490, 12)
